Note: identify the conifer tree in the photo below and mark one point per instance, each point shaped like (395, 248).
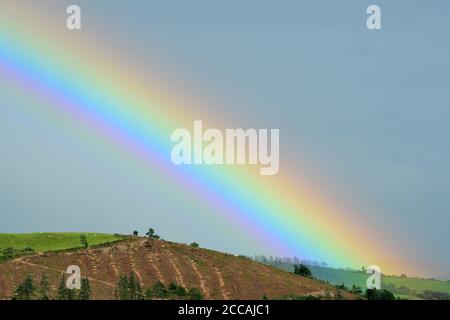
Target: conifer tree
(25, 290)
(85, 290)
(44, 291)
(65, 293)
(122, 288)
(134, 288)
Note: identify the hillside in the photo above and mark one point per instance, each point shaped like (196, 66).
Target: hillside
(403, 287)
(217, 275)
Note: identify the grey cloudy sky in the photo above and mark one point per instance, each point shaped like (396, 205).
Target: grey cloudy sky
(367, 112)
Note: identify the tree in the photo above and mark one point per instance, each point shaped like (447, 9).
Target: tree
(180, 292)
(25, 290)
(176, 291)
(135, 233)
(151, 234)
(341, 286)
(28, 249)
(356, 289)
(434, 295)
(302, 270)
(134, 288)
(85, 290)
(158, 291)
(122, 288)
(194, 294)
(64, 293)
(194, 244)
(128, 288)
(62, 288)
(382, 294)
(9, 252)
(44, 290)
(84, 241)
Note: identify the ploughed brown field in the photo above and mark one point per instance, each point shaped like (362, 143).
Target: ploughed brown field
(217, 275)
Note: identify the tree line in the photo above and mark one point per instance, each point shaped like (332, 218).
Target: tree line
(127, 288)
(29, 290)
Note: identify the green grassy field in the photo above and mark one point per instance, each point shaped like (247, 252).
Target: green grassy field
(52, 241)
(349, 278)
(404, 287)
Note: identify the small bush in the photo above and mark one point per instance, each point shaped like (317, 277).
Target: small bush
(381, 294)
(195, 294)
(302, 270)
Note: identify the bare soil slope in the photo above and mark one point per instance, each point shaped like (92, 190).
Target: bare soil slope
(217, 275)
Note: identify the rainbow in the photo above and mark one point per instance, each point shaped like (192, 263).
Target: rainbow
(75, 76)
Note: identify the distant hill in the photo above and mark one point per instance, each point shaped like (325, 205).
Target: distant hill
(403, 287)
(217, 275)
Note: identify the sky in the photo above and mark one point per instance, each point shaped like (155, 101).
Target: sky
(363, 116)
